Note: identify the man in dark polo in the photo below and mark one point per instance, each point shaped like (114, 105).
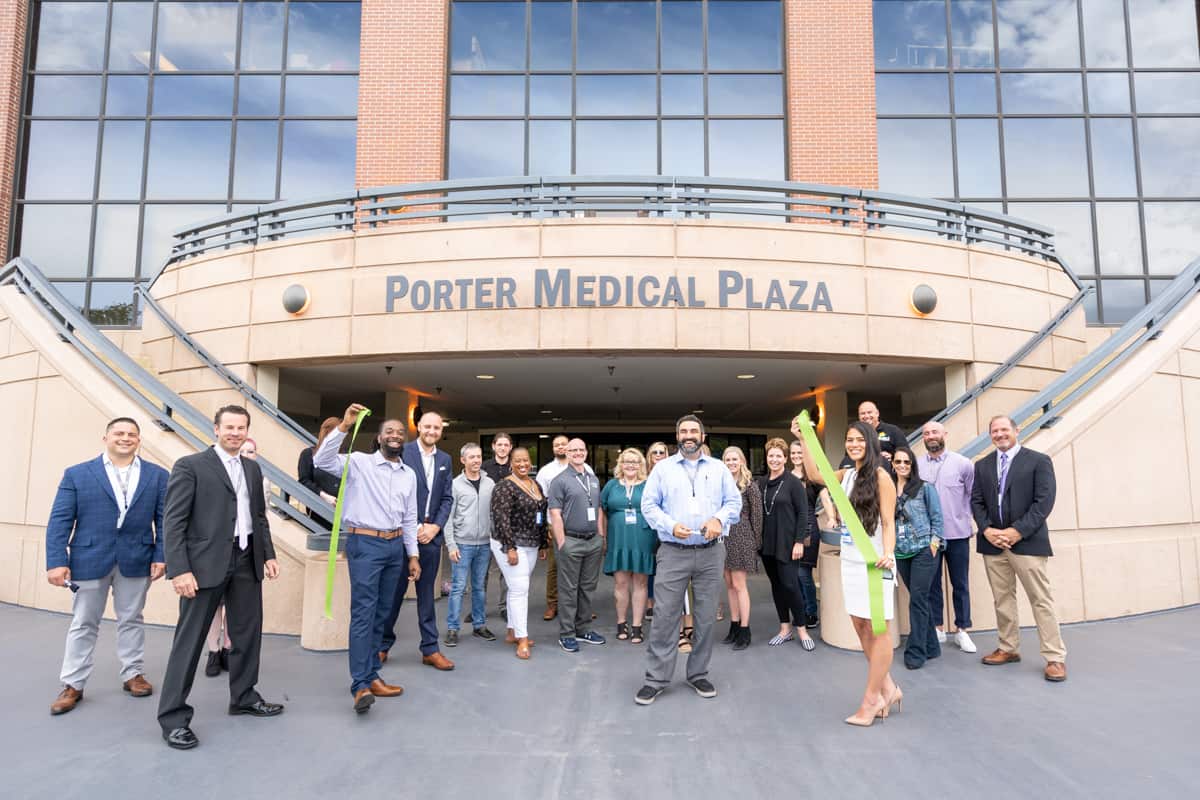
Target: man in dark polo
(890, 436)
(579, 529)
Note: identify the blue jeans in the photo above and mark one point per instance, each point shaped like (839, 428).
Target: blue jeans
(473, 560)
(808, 588)
(917, 574)
(376, 568)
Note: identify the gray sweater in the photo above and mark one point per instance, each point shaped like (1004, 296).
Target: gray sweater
(471, 515)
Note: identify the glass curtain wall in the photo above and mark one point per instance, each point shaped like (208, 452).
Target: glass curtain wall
(141, 117)
(592, 87)
(1080, 114)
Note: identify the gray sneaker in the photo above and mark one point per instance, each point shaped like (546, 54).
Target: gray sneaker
(647, 695)
(451, 639)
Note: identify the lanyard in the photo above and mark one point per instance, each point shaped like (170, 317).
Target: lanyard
(691, 475)
(123, 482)
(584, 483)
(629, 495)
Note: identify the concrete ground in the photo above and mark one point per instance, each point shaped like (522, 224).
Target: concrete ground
(565, 726)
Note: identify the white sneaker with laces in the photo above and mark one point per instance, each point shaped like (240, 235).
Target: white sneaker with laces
(963, 640)
(941, 634)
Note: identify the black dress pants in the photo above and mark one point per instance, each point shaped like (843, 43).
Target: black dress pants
(785, 590)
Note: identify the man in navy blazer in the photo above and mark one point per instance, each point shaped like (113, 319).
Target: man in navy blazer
(105, 532)
(434, 500)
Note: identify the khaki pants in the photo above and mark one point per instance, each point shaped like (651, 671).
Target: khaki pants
(1003, 571)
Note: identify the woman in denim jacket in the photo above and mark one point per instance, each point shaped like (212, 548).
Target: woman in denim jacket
(918, 536)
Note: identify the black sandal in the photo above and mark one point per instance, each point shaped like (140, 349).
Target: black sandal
(636, 637)
(622, 631)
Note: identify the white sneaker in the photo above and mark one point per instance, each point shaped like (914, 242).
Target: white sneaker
(941, 636)
(963, 640)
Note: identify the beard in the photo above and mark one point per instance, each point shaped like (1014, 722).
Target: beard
(935, 446)
(389, 451)
(689, 446)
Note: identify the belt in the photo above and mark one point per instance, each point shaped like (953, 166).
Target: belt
(575, 535)
(692, 546)
(385, 535)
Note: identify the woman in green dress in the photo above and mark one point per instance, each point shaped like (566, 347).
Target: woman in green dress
(631, 542)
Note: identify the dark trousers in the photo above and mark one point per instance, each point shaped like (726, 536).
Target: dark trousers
(918, 573)
(808, 588)
(957, 555)
(431, 559)
(242, 594)
(377, 568)
(579, 564)
(785, 589)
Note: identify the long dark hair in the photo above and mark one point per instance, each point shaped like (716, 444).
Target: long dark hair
(864, 495)
(912, 486)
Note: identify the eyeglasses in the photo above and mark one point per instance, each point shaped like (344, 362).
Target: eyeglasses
(896, 463)
(658, 452)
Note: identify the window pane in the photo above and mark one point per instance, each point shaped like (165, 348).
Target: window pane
(323, 36)
(1045, 158)
(550, 95)
(1038, 33)
(616, 95)
(1104, 33)
(129, 44)
(683, 94)
(1072, 224)
(549, 148)
(910, 33)
(126, 96)
(262, 36)
(487, 95)
(63, 96)
(61, 160)
(73, 293)
(487, 36)
(1170, 167)
(121, 160)
(1121, 300)
(258, 95)
(974, 93)
(1167, 92)
(321, 95)
(912, 94)
(1091, 308)
(746, 94)
(550, 47)
(111, 304)
(1164, 33)
(55, 239)
(1041, 93)
(196, 36)
(318, 158)
(1120, 238)
(256, 147)
(188, 160)
(162, 221)
(193, 95)
(115, 255)
(1171, 242)
(978, 158)
(1112, 158)
(683, 147)
(616, 147)
(744, 35)
(682, 36)
(486, 149)
(617, 35)
(70, 36)
(971, 33)
(746, 148)
(1108, 92)
(914, 157)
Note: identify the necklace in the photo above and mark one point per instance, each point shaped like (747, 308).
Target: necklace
(526, 485)
(769, 505)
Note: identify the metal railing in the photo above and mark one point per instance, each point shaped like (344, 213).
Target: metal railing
(656, 196)
(169, 411)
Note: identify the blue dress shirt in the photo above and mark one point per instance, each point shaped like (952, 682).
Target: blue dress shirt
(671, 497)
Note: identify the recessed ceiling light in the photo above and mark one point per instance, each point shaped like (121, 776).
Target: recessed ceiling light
(543, 436)
(697, 410)
(486, 377)
(746, 376)
(546, 411)
(556, 419)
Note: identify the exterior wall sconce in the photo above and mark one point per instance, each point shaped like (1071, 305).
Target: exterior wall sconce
(296, 299)
(924, 300)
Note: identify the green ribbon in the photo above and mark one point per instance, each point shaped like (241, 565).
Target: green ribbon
(850, 519)
(331, 570)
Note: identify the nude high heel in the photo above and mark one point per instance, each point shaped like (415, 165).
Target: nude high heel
(872, 715)
(897, 700)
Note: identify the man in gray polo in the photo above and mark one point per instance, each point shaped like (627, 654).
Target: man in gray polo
(579, 529)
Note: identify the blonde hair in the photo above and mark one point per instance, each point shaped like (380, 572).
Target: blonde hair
(653, 445)
(743, 476)
(633, 451)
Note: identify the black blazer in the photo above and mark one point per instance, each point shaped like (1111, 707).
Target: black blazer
(788, 522)
(313, 479)
(200, 515)
(1028, 500)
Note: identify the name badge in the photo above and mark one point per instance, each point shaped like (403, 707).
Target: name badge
(693, 506)
(537, 518)
(591, 514)
(630, 516)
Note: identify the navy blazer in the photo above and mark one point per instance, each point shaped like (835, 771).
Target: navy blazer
(1028, 499)
(83, 532)
(443, 496)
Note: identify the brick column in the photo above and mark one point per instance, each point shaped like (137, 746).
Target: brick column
(830, 58)
(401, 92)
(13, 22)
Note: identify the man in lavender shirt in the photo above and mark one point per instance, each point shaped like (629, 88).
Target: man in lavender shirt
(953, 476)
(379, 511)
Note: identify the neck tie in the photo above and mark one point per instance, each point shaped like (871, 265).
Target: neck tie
(1003, 481)
(238, 479)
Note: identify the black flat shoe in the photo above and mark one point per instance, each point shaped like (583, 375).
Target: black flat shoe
(181, 738)
(212, 668)
(743, 639)
(225, 659)
(259, 708)
(731, 637)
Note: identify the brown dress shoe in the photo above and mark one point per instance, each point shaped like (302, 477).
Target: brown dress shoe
(551, 612)
(363, 700)
(999, 656)
(138, 686)
(383, 656)
(1056, 671)
(381, 689)
(438, 661)
(67, 699)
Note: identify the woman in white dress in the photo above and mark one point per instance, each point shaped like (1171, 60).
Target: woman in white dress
(873, 496)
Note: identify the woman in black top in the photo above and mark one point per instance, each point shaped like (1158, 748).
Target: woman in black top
(808, 561)
(316, 480)
(518, 541)
(785, 534)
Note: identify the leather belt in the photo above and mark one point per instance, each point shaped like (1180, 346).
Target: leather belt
(575, 535)
(385, 535)
(692, 546)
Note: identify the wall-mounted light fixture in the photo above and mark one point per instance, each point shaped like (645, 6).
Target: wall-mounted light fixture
(296, 299)
(924, 300)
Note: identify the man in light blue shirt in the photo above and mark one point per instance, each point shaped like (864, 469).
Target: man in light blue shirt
(690, 500)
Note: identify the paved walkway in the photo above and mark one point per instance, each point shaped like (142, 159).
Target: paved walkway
(565, 726)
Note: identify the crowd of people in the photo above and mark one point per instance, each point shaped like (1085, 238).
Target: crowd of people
(679, 533)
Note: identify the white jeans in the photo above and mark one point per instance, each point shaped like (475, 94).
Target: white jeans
(517, 580)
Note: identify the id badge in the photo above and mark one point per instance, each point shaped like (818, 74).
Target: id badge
(693, 506)
(537, 519)
(630, 516)
(591, 514)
